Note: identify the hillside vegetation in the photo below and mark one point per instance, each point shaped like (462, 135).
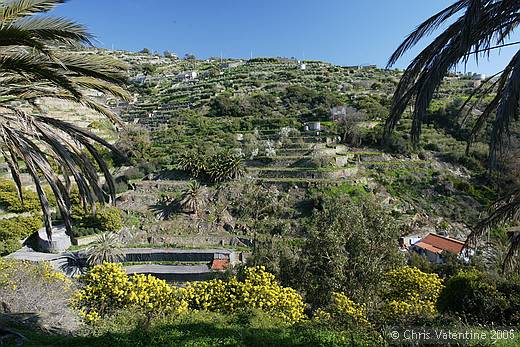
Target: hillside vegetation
(281, 161)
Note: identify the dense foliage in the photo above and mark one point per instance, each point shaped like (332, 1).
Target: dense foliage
(14, 230)
(349, 248)
(478, 297)
(218, 167)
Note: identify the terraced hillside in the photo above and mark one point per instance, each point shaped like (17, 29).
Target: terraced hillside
(302, 130)
(261, 110)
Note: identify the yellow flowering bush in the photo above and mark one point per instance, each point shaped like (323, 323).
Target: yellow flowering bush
(155, 295)
(259, 290)
(107, 288)
(409, 293)
(343, 310)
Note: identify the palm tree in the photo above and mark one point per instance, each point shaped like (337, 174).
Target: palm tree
(41, 57)
(474, 28)
(106, 248)
(194, 197)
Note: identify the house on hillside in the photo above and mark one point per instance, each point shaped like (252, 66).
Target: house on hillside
(189, 75)
(232, 64)
(478, 77)
(312, 126)
(434, 247)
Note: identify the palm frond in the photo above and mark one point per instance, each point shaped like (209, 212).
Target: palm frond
(503, 210)
(483, 23)
(51, 29)
(426, 28)
(511, 258)
(12, 10)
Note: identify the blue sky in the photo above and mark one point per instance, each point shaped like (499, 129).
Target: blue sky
(344, 32)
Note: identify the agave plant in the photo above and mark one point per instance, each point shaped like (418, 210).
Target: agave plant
(225, 166)
(474, 28)
(192, 162)
(106, 248)
(194, 197)
(73, 264)
(40, 57)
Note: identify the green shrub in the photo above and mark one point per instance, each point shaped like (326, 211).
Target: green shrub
(10, 201)
(133, 173)
(79, 231)
(14, 229)
(19, 227)
(510, 288)
(106, 219)
(473, 296)
(8, 246)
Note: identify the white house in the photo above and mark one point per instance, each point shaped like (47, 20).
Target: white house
(434, 247)
(189, 75)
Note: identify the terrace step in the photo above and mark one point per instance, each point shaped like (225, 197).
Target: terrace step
(296, 172)
(173, 273)
(280, 161)
(174, 254)
(394, 164)
(296, 139)
(301, 181)
(294, 152)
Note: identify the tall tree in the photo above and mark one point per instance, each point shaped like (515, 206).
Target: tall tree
(349, 246)
(43, 57)
(474, 29)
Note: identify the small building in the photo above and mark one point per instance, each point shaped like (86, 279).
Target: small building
(435, 246)
(189, 75)
(479, 77)
(303, 66)
(232, 64)
(312, 126)
(405, 242)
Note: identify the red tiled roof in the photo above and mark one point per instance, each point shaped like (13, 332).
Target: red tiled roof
(428, 247)
(438, 243)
